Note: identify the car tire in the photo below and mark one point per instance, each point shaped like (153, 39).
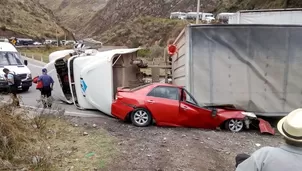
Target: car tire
(234, 125)
(141, 117)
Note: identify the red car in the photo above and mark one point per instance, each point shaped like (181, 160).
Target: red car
(170, 105)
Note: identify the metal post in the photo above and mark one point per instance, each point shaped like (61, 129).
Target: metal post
(166, 63)
(57, 36)
(198, 9)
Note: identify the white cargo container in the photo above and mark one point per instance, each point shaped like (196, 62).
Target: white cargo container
(255, 67)
(267, 16)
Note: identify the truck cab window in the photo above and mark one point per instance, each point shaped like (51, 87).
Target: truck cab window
(171, 93)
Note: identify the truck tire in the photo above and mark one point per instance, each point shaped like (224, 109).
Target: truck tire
(25, 89)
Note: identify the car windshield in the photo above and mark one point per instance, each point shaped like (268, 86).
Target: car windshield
(187, 97)
(10, 58)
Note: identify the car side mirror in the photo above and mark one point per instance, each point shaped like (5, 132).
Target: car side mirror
(214, 112)
(25, 62)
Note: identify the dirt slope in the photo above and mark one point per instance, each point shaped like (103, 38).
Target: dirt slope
(74, 14)
(29, 18)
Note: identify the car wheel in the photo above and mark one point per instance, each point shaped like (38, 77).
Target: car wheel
(234, 125)
(141, 117)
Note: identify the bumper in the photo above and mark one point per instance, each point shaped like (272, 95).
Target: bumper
(265, 127)
(3, 85)
(120, 110)
(25, 84)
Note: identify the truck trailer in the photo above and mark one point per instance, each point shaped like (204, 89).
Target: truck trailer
(267, 16)
(254, 67)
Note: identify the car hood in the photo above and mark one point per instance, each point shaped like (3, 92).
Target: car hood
(223, 106)
(20, 69)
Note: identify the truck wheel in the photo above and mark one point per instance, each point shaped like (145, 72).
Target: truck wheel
(234, 125)
(141, 117)
(25, 89)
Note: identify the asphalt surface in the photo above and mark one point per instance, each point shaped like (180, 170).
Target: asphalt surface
(29, 99)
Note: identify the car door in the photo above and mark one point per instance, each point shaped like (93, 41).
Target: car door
(163, 103)
(192, 115)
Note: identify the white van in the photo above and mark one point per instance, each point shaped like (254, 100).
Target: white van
(12, 60)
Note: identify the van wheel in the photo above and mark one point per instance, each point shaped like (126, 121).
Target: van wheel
(141, 117)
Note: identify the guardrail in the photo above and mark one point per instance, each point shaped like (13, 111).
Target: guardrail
(35, 57)
(31, 46)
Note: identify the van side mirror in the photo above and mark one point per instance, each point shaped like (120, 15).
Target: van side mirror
(25, 62)
(214, 112)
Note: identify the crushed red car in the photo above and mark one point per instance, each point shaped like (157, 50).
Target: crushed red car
(170, 105)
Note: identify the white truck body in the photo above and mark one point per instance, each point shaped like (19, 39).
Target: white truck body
(256, 67)
(271, 16)
(93, 76)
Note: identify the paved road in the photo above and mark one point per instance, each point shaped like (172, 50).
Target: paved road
(29, 98)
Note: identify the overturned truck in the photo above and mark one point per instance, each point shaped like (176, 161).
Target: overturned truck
(89, 78)
(253, 67)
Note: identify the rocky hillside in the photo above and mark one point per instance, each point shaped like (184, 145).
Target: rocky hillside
(136, 22)
(142, 31)
(74, 14)
(29, 19)
(235, 5)
(119, 11)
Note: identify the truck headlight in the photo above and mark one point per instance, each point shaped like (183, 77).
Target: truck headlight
(249, 114)
(29, 76)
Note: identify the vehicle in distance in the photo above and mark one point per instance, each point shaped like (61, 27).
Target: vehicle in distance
(170, 105)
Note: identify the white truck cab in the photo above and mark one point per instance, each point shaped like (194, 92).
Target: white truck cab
(89, 79)
(12, 60)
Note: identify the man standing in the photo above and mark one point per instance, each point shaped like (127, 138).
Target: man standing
(284, 158)
(47, 83)
(13, 87)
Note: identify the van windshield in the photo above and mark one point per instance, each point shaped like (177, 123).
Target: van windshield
(10, 58)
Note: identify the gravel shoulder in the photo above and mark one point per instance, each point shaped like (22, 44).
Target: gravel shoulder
(176, 149)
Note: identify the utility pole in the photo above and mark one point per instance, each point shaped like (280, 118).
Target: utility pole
(57, 36)
(198, 9)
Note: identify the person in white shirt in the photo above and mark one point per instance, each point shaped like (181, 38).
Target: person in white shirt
(285, 158)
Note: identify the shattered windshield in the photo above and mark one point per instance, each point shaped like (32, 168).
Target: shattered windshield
(10, 58)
